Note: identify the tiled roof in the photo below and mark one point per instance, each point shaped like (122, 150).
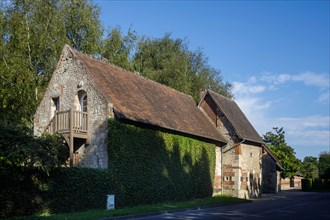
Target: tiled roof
(141, 100)
(236, 117)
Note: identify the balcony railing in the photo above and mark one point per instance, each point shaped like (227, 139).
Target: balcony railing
(64, 121)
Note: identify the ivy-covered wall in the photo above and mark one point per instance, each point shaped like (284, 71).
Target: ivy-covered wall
(145, 166)
(149, 166)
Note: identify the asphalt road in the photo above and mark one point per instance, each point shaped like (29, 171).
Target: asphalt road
(286, 205)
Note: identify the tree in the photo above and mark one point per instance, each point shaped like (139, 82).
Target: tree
(324, 165)
(310, 167)
(82, 25)
(169, 62)
(117, 48)
(33, 33)
(285, 154)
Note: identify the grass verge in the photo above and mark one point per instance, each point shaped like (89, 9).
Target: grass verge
(143, 209)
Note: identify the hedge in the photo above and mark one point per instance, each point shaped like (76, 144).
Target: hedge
(27, 192)
(315, 184)
(145, 167)
(151, 166)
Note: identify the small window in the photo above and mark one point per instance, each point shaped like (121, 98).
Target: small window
(83, 102)
(56, 102)
(84, 107)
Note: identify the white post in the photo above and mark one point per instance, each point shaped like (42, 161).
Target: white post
(111, 202)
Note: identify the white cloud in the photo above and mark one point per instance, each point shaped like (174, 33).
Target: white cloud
(313, 79)
(240, 88)
(320, 80)
(324, 97)
(308, 135)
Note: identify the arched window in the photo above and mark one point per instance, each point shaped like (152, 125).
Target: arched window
(83, 102)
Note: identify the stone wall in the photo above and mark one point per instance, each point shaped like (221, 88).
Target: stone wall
(240, 173)
(291, 183)
(271, 179)
(68, 81)
(250, 163)
(217, 174)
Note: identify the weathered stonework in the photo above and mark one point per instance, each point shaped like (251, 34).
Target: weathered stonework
(240, 162)
(218, 170)
(271, 178)
(69, 80)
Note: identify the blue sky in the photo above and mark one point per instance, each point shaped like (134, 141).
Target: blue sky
(275, 53)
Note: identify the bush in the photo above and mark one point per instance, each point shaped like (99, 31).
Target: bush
(315, 184)
(19, 148)
(64, 190)
(150, 166)
(306, 184)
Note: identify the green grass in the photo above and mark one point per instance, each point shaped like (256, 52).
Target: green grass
(99, 214)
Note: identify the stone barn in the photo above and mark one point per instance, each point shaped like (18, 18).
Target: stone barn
(84, 93)
(239, 172)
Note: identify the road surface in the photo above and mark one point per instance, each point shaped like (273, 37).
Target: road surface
(286, 205)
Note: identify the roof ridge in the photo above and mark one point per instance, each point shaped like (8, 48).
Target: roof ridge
(217, 94)
(105, 61)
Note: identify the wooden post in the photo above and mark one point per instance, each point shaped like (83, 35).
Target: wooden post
(55, 122)
(71, 137)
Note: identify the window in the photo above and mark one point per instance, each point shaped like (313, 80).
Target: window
(83, 102)
(56, 103)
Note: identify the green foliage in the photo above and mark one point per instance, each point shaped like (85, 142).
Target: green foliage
(64, 190)
(315, 184)
(78, 188)
(117, 48)
(306, 184)
(324, 165)
(33, 33)
(145, 167)
(19, 148)
(150, 166)
(284, 153)
(310, 167)
(169, 62)
(82, 25)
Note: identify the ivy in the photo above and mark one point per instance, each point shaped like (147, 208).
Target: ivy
(149, 166)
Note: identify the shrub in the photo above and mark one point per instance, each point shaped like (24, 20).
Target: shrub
(64, 190)
(315, 184)
(306, 184)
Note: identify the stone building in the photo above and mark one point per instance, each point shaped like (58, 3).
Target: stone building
(239, 170)
(84, 93)
(271, 173)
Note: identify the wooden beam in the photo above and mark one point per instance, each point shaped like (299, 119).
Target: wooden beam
(71, 144)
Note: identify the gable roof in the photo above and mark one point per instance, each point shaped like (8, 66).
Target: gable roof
(235, 116)
(141, 100)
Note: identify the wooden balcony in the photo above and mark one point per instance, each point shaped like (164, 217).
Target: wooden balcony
(71, 124)
(68, 121)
